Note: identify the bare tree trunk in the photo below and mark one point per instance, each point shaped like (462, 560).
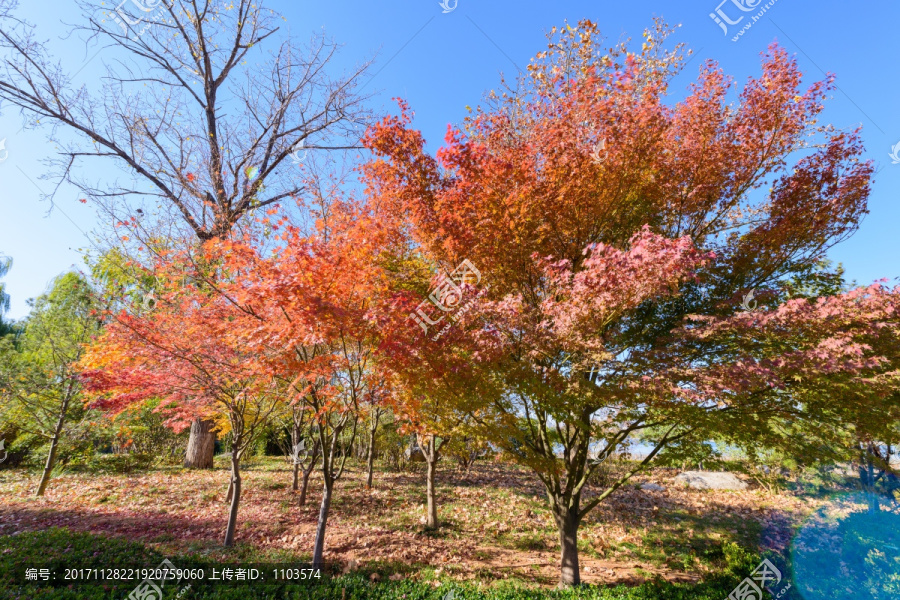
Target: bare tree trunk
(201, 446)
(48, 466)
(304, 486)
(870, 477)
(54, 445)
(431, 520)
(307, 471)
(370, 463)
(567, 521)
(295, 456)
(370, 458)
(319, 547)
(235, 488)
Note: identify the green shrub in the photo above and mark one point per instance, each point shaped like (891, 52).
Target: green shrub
(118, 464)
(738, 561)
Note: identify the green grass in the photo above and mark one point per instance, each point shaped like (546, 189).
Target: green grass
(59, 549)
(690, 540)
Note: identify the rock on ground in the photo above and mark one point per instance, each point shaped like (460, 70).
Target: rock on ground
(652, 487)
(710, 480)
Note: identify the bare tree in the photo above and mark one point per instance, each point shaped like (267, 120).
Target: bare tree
(200, 121)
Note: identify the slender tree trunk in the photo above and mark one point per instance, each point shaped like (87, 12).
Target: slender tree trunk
(567, 521)
(370, 463)
(201, 446)
(235, 497)
(870, 477)
(370, 454)
(307, 471)
(304, 486)
(319, 547)
(54, 445)
(295, 439)
(431, 520)
(48, 466)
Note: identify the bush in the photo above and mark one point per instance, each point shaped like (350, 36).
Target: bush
(738, 561)
(118, 464)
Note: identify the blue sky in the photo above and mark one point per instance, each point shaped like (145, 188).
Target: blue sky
(441, 62)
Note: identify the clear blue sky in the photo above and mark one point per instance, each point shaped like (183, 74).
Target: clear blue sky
(442, 62)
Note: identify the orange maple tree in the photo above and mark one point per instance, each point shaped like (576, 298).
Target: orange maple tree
(603, 215)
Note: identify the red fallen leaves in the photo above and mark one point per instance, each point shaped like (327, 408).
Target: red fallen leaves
(146, 506)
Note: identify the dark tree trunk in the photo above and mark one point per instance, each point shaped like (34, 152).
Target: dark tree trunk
(304, 486)
(370, 454)
(870, 480)
(296, 482)
(307, 471)
(235, 498)
(370, 463)
(201, 446)
(319, 547)
(568, 521)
